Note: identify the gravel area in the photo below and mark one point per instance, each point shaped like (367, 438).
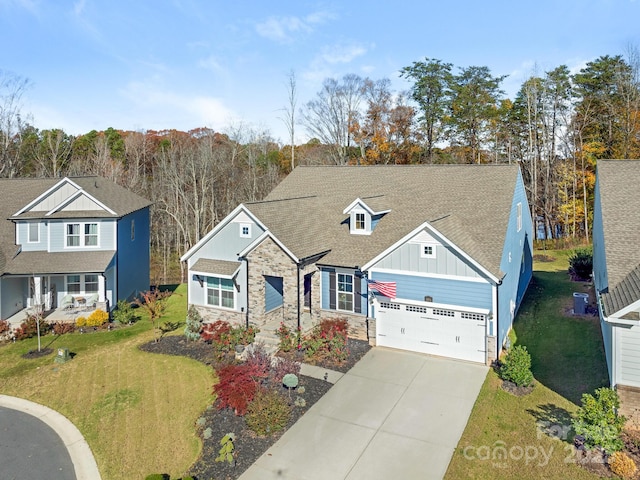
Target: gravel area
(247, 445)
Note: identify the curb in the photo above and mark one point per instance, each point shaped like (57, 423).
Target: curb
(84, 463)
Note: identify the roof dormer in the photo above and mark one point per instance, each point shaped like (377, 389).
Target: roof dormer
(362, 218)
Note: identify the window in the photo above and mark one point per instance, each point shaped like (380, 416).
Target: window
(81, 235)
(427, 250)
(245, 230)
(519, 216)
(345, 292)
(90, 234)
(360, 221)
(220, 292)
(133, 230)
(91, 283)
(34, 232)
(73, 235)
(73, 283)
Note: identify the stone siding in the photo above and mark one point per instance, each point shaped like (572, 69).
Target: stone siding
(630, 405)
(492, 349)
(357, 323)
(212, 314)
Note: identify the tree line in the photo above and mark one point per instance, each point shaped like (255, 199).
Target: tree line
(556, 127)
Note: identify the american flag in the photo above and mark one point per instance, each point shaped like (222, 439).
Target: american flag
(388, 289)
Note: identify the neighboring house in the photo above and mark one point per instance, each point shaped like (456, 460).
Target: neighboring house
(67, 240)
(453, 241)
(616, 266)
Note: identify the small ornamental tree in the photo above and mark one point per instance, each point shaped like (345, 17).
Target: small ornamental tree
(516, 367)
(237, 385)
(581, 263)
(124, 314)
(193, 324)
(597, 420)
(154, 302)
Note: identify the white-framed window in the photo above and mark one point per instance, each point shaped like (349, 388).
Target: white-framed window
(360, 221)
(220, 292)
(81, 235)
(345, 291)
(91, 283)
(427, 250)
(34, 232)
(519, 216)
(245, 230)
(73, 284)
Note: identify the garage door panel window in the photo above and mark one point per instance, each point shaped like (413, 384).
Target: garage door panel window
(220, 292)
(345, 292)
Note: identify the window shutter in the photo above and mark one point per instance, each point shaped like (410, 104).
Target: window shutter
(332, 289)
(357, 298)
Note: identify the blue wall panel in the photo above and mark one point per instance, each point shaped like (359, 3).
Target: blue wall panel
(273, 295)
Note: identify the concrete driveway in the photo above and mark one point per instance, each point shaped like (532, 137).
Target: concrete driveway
(394, 415)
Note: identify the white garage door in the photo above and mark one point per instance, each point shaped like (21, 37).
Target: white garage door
(436, 331)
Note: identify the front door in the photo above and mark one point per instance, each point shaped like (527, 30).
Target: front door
(307, 291)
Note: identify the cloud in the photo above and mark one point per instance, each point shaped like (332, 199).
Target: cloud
(211, 63)
(331, 56)
(282, 29)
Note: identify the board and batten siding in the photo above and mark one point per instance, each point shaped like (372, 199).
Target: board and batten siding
(227, 242)
(106, 234)
(628, 367)
(22, 230)
(408, 258)
(55, 198)
(133, 254)
(442, 290)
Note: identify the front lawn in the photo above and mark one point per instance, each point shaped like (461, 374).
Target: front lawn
(136, 410)
(528, 437)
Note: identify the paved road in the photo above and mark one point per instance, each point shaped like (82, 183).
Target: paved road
(30, 449)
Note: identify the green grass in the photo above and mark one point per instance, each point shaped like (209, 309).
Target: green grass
(136, 410)
(567, 361)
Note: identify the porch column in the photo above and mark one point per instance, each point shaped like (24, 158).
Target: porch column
(101, 288)
(37, 290)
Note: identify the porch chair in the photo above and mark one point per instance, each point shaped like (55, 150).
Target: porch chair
(67, 303)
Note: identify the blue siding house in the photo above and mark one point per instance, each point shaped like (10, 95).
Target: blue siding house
(616, 269)
(71, 242)
(429, 258)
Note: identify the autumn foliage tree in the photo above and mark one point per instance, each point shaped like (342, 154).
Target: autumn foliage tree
(154, 302)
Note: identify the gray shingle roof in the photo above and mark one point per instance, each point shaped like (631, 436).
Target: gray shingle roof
(221, 267)
(468, 204)
(618, 182)
(45, 263)
(18, 192)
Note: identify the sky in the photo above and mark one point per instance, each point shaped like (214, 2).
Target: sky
(184, 64)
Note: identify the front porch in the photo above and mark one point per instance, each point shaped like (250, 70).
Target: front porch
(62, 314)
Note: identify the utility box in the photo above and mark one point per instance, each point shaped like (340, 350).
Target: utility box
(580, 302)
(62, 356)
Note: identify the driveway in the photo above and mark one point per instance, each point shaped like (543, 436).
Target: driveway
(394, 415)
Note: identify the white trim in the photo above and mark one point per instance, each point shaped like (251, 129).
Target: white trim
(443, 306)
(413, 233)
(633, 307)
(74, 196)
(225, 221)
(428, 275)
(242, 226)
(260, 239)
(353, 293)
(206, 295)
(217, 275)
(363, 204)
(40, 197)
(424, 254)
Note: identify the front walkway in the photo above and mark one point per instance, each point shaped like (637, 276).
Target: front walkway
(395, 415)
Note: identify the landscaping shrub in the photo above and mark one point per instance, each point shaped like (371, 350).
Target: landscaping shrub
(124, 313)
(268, 413)
(259, 360)
(237, 385)
(581, 263)
(328, 340)
(193, 324)
(97, 318)
(516, 367)
(288, 339)
(81, 322)
(60, 328)
(281, 367)
(4, 326)
(29, 328)
(597, 420)
(622, 465)
(224, 337)
(227, 450)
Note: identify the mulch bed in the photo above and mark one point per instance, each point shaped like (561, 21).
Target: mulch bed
(247, 444)
(514, 389)
(31, 354)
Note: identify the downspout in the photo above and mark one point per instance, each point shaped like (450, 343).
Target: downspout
(246, 260)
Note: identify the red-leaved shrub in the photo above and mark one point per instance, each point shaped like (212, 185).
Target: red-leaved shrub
(237, 385)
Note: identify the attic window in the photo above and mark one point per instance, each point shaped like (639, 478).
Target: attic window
(427, 250)
(245, 230)
(360, 221)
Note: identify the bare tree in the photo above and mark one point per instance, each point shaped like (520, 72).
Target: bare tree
(290, 114)
(12, 88)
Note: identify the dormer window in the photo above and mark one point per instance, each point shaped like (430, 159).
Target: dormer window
(362, 218)
(360, 221)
